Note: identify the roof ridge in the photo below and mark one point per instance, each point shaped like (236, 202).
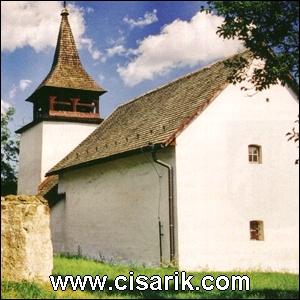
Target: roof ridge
(215, 62)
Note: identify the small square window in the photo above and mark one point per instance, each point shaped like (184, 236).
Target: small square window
(257, 230)
(254, 154)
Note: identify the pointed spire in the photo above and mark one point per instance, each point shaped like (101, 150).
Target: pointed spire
(67, 70)
(66, 51)
(64, 11)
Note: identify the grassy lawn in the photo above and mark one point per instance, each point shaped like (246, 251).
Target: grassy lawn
(263, 285)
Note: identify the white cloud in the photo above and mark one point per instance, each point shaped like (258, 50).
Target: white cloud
(117, 47)
(118, 41)
(4, 106)
(95, 53)
(36, 24)
(101, 77)
(149, 18)
(179, 44)
(89, 10)
(24, 83)
(13, 91)
(116, 50)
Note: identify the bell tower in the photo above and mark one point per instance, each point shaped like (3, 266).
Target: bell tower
(67, 91)
(65, 111)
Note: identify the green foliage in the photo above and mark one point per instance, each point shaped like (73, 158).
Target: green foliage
(263, 285)
(270, 30)
(294, 136)
(9, 155)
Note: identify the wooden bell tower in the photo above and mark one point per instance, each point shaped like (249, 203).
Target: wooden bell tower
(67, 91)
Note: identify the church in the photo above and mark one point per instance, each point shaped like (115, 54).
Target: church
(196, 173)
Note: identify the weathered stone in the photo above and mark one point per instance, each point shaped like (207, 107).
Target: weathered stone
(26, 248)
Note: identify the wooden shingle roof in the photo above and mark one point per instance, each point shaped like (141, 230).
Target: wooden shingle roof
(67, 70)
(154, 118)
(47, 185)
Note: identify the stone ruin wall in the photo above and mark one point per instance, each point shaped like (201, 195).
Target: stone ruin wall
(26, 248)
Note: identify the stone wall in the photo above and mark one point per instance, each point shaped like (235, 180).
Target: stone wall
(26, 248)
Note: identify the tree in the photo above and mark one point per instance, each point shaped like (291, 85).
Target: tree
(294, 135)
(270, 30)
(9, 155)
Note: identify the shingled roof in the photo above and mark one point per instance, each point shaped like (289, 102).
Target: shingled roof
(67, 70)
(154, 118)
(47, 185)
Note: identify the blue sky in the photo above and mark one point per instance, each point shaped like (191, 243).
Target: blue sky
(127, 47)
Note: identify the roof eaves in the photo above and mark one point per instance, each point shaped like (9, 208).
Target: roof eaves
(100, 91)
(59, 119)
(47, 185)
(150, 147)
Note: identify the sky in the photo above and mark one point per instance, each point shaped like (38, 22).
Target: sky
(129, 47)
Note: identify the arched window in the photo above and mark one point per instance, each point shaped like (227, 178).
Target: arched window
(254, 154)
(257, 230)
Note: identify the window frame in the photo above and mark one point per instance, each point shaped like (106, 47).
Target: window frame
(252, 155)
(257, 230)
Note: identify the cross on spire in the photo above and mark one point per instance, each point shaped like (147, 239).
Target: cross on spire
(64, 11)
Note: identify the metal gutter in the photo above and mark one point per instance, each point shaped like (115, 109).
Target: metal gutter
(105, 159)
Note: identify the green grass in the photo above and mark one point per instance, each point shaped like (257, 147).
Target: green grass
(263, 285)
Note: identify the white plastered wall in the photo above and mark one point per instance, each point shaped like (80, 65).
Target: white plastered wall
(57, 223)
(44, 145)
(29, 176)
(112, 210)
(219, 191)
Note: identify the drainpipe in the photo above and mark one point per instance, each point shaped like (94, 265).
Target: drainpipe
(171, 204)
(160, 243)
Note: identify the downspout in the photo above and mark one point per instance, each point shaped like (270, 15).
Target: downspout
(171, 204)
(160, 243)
